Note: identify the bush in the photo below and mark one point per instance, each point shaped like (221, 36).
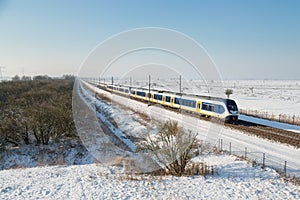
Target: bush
(172, 148)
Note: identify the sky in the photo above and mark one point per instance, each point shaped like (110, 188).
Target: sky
(246, 39)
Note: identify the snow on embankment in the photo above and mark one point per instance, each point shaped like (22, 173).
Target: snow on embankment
(89, 99)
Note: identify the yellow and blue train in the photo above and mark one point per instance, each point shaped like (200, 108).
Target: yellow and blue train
(216, 107)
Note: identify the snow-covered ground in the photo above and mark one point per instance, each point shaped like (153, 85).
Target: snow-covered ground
(275, 124)
(67, 152)
(272, 96)
(233, 180)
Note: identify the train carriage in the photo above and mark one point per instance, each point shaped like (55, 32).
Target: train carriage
(225, 109)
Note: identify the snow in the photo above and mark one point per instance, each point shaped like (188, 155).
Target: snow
(234, 180)
(68, 152)
(272, 96)
(270, 123)
(89, 100)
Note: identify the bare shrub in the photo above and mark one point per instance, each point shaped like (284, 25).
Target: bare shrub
(197, 169)
(172, 148)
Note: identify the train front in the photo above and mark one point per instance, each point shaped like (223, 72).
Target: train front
(232, 110)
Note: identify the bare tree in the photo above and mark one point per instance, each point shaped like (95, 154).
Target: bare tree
(172, 148)
(252, 88)
(228, 92)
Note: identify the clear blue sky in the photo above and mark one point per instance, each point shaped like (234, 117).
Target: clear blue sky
(246, 39)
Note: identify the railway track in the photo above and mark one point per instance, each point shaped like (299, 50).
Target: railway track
(262, 131)
(274, 134)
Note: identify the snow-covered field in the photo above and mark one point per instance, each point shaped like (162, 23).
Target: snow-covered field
(272, 96)
(233, 180)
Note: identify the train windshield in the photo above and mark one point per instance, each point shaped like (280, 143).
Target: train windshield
(231, 106)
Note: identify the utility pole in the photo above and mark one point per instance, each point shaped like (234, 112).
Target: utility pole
(180, 92)
(149, 92)
(180, 84)
(112, 83)
(130, 81)
(130, 86)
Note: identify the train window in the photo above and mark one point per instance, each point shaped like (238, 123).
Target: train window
(176, 100)
(231, 105)
(216, 108)
(143, 94)
(149, 95)
(187, 102)
(213, 107)
(205, 106)
(221, 109)
(158, 97)
(181, 101)
(193, 104)
(168, 99)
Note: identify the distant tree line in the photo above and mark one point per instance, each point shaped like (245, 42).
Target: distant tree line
(36, 111)
(41, 77)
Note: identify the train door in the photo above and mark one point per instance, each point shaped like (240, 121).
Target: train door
(198, 106)
(172, 101)
(163, 100)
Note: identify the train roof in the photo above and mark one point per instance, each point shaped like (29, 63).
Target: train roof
(171, 93)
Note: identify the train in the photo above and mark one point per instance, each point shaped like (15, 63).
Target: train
(211, 107)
